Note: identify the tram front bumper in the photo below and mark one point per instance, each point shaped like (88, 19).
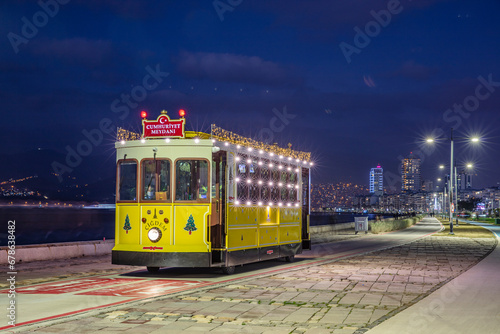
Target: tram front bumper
(160, 259)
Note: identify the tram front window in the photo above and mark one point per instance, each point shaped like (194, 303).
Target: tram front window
(191, 180)
(156, 180)
(127, 181)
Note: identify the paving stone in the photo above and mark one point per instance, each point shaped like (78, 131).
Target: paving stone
(304, 297)
(382, 287)
(391, 300)
(358, 317)
(301, 315)
(318, 331)
(286, 296)
(351, 298)
(370, 299)
(362, 286)
(396, 287)
(335, 315)
(344, 331)
(385, 278)
(377, 314)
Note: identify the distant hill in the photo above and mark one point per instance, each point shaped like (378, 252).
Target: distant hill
(92, 180)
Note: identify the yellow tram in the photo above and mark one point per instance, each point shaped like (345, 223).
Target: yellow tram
(192, 199)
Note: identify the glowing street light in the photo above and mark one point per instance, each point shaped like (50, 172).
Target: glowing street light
(453, 177)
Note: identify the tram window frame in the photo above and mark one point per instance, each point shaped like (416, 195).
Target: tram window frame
(214, 179)
(242, 192)
(265, 170)
(275, 174)
(242, 188)
(253, 174)
(207, 198)
(253, 193)
(265, 193)
(119, 184)
(284, 175)
(284, 194)
(275, 194)
(253, 168)
(168, 193)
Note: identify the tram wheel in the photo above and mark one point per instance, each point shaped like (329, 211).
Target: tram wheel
(290, 258)
(153, 269)
(228, 270)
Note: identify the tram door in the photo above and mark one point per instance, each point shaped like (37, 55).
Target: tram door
(217, 221)
(306, 239)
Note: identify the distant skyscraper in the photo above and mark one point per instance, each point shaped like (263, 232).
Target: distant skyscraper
(427, 185)
(464, 180)
(377, 181)
(410, 174)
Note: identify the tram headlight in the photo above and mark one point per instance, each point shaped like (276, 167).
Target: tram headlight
(154, 234)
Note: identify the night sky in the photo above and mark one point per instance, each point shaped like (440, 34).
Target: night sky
(357, 83)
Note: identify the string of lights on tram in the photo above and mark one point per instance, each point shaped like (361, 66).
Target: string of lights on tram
(274, 161)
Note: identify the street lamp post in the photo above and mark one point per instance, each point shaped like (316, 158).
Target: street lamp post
(453, 178)
(456, 197)
(450, 194)
(443, 207)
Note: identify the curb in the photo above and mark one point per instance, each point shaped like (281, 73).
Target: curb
(42, 252)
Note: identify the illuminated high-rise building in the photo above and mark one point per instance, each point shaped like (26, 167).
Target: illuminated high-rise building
(427, 185)
(377, 181)
(464, 180)
(410, 174)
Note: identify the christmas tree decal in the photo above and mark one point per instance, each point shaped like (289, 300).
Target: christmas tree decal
(190, 225)
(127, 226)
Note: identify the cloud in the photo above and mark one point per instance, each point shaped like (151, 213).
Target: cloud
(89, 53)
(410, 69)
(225, 67)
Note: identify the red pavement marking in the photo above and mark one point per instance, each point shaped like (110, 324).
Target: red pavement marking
(141, 288)
(134, 287)
(71, 285)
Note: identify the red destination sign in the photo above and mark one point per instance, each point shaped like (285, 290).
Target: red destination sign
(163, 127)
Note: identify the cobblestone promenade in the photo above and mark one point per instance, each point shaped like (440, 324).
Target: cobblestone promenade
(344, 296)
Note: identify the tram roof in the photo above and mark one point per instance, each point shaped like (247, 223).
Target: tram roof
(228, 141)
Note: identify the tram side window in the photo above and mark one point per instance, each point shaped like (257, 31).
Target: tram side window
(241, 175)
(191, 180)
(127, 183)
(156, 180)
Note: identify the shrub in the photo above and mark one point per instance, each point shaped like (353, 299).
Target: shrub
(388, 225)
